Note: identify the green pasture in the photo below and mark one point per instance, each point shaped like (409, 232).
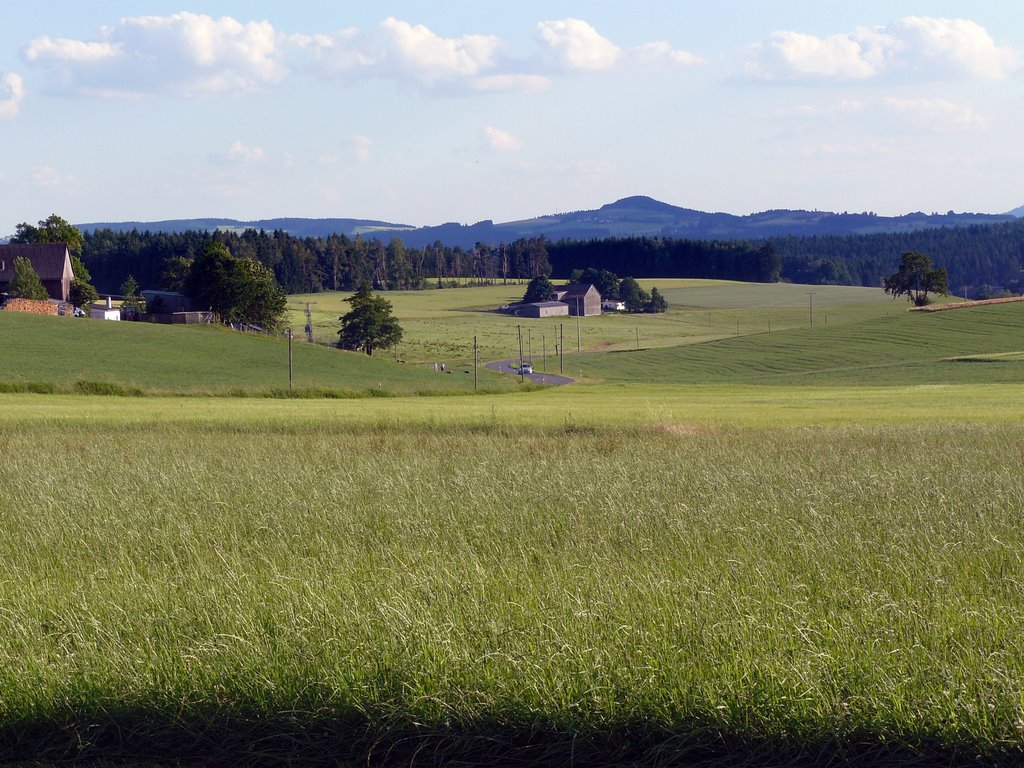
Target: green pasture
(591, 575)
(440, 325)
(164, 359)
(978, 344)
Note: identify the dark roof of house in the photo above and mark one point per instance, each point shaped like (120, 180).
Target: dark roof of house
(544, 304)
(575, 289)
(47, 260)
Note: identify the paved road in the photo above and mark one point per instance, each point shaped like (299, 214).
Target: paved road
(551, 379)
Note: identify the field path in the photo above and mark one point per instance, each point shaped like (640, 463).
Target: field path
(550, 379)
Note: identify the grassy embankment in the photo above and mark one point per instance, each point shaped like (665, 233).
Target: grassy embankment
(143, 358)
(755, 573)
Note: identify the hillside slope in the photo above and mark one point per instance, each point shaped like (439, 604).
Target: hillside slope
(902, 349)
(200, 359)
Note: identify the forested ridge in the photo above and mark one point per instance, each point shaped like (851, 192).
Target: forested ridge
(976, 255)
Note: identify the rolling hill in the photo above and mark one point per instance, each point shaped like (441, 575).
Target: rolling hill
(628, 217)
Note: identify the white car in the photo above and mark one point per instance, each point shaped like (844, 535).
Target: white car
(525, 368)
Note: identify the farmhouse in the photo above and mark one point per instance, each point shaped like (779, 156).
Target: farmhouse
(583, 300)
(51, 261)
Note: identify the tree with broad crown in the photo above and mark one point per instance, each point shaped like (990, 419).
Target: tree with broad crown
(539, 289)
(237, 290)
(26, 283)
(632, 295)
(369, 324)
(916, 278)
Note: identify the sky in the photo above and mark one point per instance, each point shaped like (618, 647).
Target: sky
(426, 112)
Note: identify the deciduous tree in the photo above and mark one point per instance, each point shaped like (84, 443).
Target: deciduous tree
(539, 289)
(916, 278)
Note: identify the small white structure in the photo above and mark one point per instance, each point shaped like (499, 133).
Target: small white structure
(104, 311)
(613, 305)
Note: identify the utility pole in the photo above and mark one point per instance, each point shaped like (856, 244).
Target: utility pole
(476, 363)
(521, 374)
(810, 305)
(579, 347)
(561, 346)
(529, 343)
(544, 346)
(289, 358)
(637, 329)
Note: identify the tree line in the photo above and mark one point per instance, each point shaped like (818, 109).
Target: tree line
(975, 255)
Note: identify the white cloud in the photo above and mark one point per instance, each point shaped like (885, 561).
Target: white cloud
(362, 146)
(913, 46)
(578, 45)
(186, 52)
(957, 45)
(663, 54)
(417, 56)
(938, 115)
(49, 177)
(502, 141)
(12, 91)
(417, 52)
(44, 49)
(240, 153)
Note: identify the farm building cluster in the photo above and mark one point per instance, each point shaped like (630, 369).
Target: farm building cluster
(569, 301)
(52, 263)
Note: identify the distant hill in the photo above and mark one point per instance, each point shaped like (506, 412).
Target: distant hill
(1018, 212)
(628, 217)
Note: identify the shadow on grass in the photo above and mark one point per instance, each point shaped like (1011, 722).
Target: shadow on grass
(232, 737)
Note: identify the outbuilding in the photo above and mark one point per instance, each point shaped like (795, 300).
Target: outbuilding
(543, 309)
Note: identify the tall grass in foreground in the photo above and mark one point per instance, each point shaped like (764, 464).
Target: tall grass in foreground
(324, 594)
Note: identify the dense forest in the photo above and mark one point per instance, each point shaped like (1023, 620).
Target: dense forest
(989, 255)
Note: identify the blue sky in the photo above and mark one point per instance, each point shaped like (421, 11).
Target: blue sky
(424, 112)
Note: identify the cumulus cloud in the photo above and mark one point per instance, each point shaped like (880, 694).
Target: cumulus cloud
(913, 46)
(501, 141)
(12, 91)
(578, 45)
(417, 56)
(240, 153)
(186, 52)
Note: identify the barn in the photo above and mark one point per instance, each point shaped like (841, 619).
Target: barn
(583, 300)
(51, 261)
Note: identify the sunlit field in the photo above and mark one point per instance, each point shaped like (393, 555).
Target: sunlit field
(440, 324)
(800, 546)
(254, 581)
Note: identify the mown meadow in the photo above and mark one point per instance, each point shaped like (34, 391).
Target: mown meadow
(779, 551)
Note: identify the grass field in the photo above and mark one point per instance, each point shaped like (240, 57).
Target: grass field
(801, 547)
(440, 324)
(201, 360)
(254, 587)
(978, 345)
